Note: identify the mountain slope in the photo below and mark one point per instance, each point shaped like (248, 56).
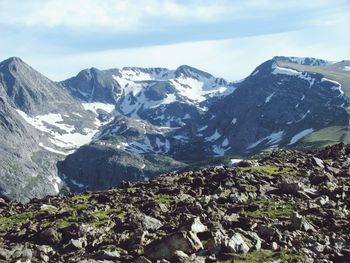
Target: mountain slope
(105, 126)
(160, 96)
(27, 171)
(288, 207)
(273, 107)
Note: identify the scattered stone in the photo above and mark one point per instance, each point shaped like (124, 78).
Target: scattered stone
(165, 247)
(290, 201)
(48, 236)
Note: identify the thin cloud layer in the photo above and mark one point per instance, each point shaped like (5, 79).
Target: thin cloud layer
(61, 37)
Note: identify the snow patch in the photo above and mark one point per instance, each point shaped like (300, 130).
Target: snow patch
(273, 138)
(203, 128)
(216, 135)
(225, 143)
(53, 150)
(94, 106)
(285, 71)
(70, 139)
(255, 72)
(300, 135)
(76, 183)
(269, 97)
(235, 161)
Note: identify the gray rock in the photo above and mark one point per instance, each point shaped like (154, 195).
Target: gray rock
(318, 162)
(300, 223)
(150, 223)
(238, 244)
(165, 247)
(194, 225)
(49, 236)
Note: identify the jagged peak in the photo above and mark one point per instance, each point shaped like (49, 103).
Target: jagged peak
(191, 71)
(309, 61)
(13, 59)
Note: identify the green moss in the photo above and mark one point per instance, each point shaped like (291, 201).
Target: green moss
(270, 208)
(65, 222)
(256, 256)
(104, 216)
(164, 199)
(289, 256)
(80, 206)
(82, 196)
(7, 223)
(271, 170)
(131, 190)
(326, 136)
(263, 255)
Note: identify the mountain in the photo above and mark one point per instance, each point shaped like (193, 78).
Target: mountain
(40, 124)
(26, 170)
(101, 127)
(287, 207)
(162, 97)
(275, 106)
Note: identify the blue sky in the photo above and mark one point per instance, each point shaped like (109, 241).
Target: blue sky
(227, 38)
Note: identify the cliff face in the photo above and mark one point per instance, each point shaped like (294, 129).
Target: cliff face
(288, 207)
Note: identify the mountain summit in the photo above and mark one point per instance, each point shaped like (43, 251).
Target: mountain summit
(104, 126)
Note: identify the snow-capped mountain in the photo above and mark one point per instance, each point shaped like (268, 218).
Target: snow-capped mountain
(161, 96)
(104, 126)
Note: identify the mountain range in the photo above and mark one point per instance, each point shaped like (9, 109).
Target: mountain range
(100, 127)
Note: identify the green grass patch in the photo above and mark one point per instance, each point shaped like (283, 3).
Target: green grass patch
(67, 221)
(263, 255)
(7, 223)
(270, 209)
(104, 216)
(271, 170)
(165, 199)
(80, 206)
(326, 136)
(131, 190)
(81, 197)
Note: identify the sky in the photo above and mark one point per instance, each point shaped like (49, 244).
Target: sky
(227, 38)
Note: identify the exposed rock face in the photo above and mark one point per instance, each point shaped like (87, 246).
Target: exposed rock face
(211, 215)
(30, 91)
(26, 170)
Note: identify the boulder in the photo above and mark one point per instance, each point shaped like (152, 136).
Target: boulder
(238, 244)
(298, 222)
(194, 225)
(165, 247)
(48, 236)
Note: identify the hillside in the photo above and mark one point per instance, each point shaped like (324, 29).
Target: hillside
(288, 207)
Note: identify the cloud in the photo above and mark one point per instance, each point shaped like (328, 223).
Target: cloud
(225, 37)
(121, 15)
(232, 59)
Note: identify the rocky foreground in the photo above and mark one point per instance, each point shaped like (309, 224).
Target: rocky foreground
(288, 207)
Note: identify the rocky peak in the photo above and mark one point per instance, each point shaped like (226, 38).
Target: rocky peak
(187, 71)
(309, 61)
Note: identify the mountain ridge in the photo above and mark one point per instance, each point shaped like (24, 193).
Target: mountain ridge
(182, 116)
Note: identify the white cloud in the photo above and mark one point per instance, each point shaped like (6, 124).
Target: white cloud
(232, 59)
(23, 28)
(136, 14)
